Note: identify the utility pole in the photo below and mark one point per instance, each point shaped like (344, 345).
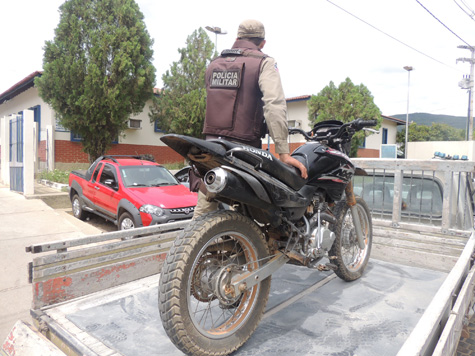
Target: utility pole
(467, 83)
(408, 68)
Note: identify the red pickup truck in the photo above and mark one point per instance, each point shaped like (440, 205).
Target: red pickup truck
(130, 192)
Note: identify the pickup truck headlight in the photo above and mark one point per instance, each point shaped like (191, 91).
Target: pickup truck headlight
(151, 209)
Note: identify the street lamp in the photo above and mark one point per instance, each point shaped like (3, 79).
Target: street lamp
(217, 31)
(408, 68)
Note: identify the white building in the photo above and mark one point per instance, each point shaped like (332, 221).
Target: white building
(57, 145)
(297, 112)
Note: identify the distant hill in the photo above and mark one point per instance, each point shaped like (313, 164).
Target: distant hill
(458, 122)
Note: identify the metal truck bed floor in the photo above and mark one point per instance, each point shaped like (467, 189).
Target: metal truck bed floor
(309, 313)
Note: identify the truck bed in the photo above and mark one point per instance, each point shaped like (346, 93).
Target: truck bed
(98, 295)
(308, 312)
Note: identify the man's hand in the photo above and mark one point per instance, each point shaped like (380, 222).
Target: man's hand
(288, 159)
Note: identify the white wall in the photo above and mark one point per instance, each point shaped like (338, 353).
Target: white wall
(374, 141)
(146, 135)
(5, 158)
(425, 150)
(29, 140)
(30, 98)
(143, 136)
(297, 111)
(26, 100)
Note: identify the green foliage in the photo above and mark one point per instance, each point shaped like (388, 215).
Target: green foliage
(56, 175)
(174, 165)
(181, 106)
(435, 132)
(98, 70)
(346, 103)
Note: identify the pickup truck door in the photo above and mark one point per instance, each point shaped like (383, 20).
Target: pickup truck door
(89, 190)
(107, 196)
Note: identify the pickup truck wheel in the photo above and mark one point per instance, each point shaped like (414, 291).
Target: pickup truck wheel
(78, 212)
(126, 221)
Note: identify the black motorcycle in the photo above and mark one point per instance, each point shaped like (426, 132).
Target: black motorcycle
(216, 278)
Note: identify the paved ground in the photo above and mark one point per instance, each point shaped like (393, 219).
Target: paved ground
(24, 222)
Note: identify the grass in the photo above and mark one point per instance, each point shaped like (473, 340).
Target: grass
(57, 176)
(174, 166)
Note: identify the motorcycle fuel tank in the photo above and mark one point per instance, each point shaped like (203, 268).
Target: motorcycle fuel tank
(327, 167)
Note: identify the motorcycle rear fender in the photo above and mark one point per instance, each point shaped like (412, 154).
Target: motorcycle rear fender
(271, 190)
(360, 171)
(205, 155)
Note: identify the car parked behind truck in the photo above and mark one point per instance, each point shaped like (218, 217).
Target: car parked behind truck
(130, 191)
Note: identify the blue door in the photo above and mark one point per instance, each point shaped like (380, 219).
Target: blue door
(16, 153)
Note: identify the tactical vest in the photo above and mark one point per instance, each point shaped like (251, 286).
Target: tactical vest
(234, 106)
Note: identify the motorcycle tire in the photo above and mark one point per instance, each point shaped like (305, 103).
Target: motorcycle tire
(196, 313)
(345, 253)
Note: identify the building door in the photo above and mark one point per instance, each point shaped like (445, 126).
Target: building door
(16, 153)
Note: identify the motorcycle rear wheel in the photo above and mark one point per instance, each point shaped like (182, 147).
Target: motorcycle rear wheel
(197, 314)
(345, 253)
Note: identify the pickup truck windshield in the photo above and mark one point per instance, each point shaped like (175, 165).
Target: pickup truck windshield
(146, 176)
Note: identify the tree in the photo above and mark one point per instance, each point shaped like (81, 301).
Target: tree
(346, 103)
(181, 106)
(97, 71)
(435, 132)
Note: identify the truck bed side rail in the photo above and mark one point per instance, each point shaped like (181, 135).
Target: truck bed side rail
(438, 331)
(86, 265)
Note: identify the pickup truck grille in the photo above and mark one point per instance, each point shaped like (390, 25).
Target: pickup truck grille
(187, 210)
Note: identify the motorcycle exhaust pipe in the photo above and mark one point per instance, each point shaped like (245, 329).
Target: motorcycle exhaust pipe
(230, 186)
(216, 180)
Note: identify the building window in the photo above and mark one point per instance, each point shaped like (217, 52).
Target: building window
(385, 137)
(37, 118)
(75, 137)
(135, 124)
(58, 126)
(156, 128)
(294, 123)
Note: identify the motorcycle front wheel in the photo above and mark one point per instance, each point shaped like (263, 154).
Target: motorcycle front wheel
(345, 253)
(198, 312)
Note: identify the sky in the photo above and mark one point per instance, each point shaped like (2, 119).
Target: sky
(313, 41)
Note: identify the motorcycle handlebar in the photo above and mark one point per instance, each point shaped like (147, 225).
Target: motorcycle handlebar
(365, 123)
(312, 135)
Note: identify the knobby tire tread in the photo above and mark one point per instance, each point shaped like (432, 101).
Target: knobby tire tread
(340, 211)
(173, 271)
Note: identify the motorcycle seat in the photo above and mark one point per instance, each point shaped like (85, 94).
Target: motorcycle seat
(267, 162)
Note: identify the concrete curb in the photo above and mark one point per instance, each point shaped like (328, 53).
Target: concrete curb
(54, 185)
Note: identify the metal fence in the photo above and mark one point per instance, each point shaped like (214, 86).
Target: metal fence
(437, 194)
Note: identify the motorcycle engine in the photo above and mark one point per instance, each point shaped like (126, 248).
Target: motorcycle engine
(320, 241)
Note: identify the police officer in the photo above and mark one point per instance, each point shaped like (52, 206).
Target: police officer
(244, 95)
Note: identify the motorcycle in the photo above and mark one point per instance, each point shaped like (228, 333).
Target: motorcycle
(216, 278)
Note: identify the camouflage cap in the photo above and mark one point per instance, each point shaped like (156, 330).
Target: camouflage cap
(251, 28)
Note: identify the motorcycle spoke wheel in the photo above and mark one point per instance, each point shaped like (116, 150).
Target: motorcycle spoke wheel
(198, 312)
(212, 311)
(345, 253)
